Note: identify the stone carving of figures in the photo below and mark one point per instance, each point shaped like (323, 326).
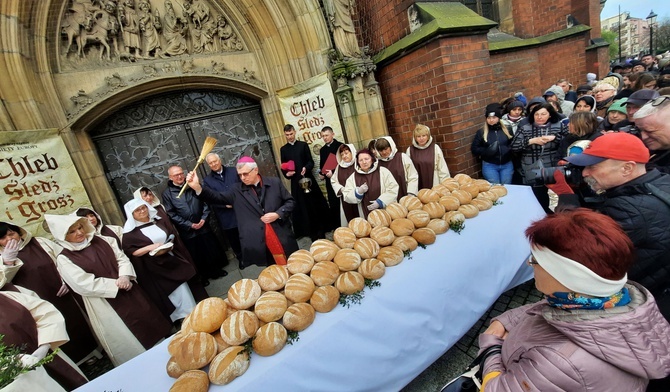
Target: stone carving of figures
(198, 13)
(227, 38)
(174, 31)
(130, 27)
(149, 24)
(344, 34)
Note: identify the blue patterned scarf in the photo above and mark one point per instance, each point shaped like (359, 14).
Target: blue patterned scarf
(578, 301)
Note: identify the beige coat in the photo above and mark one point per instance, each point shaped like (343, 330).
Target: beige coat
(441, 170)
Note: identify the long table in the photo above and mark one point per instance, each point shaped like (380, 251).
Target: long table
(423, 306)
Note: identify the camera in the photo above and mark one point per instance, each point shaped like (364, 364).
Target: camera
(541, 175)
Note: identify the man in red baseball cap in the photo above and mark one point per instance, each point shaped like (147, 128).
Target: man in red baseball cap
(614, 166)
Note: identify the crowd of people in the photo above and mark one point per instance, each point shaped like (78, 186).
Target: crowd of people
(604, 146)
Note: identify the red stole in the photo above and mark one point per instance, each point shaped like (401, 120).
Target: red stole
(424, 162)
(396, 168)
(271, 240)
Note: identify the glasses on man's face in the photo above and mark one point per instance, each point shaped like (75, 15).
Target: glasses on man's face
(245, 174)
(531, 261)
(659, 101)
(178, 174)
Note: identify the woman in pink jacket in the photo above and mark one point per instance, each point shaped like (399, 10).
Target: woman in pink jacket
(594, 331)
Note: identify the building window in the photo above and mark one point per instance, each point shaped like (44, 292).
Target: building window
(485, 8)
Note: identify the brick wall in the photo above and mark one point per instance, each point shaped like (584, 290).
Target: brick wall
(533, 18)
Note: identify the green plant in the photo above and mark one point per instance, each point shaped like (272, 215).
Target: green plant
(371, 284)
(351, 299)
(457, 226)
(11, 365)
(293, 337)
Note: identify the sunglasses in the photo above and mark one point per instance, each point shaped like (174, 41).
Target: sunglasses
(659, 101)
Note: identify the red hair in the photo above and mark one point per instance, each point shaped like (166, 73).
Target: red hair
(587, 237)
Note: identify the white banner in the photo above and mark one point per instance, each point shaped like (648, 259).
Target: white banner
(37, 176)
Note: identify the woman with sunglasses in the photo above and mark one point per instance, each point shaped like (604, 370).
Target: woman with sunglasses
(594, 331)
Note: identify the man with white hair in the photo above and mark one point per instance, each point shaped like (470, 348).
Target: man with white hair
(653, 121)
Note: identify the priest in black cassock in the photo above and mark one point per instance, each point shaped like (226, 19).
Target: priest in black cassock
(310, 208)
(330, 146)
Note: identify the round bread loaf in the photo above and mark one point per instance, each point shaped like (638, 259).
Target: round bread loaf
(323, 250)
(488, 195)
(499, 190)
(366, 247)
(347, 259)
(471, 188)
(239, 327)
(372, 269)
(468, 210)
(483, 185)
(450, 184)
(402, 227)
(360, 226)
(434, 209)
(439, 226)
(208, 315)
(391, 255)
(396, 211)
(350, 282)
(273, 277)
(424, 236)
(228, 365)
(300, 262)
(450, 203)
(463, 179)
(325, 299)
(453, 216)
(379, 217)
(220, 343)
(344, 237)
(300, 287)
(299, 316)
(244, 293)
(173, 369)
(324, 273)
(406, 243)
(270, 306)
(195, 351)
(382, 235)
(441, 190)
(411, 202)
(482, 204)
(428, 195)
(464, 197)
(270, 339)
(191, 381)
(419, 218)
(186, 324)
(229, 307)
(175, 341)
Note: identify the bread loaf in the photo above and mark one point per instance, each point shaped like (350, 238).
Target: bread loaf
(453, 216)
(350, 282)
(220, 343)
(463, 179)
(482, 204)
(434, 209)
(488, 195)
(173, 369)
(366, 247)
(325, 299)
(347, 259)
(344, 237)
(390, 255)
(324, 273)
(239, 327)
(360, 227)
(406, 243)
(186, 324)
(300, 262)
(230, 309)
(382, 235)
(270, 306)
(273, 278)
(468, 210)
(439, 226)
(300, 287)
(298, 316)
(175, 341)
(244, 293)
(411, 202)
(372, 269)
(379, 218)
(208, 315)
(396, 210)
(323, 250)
(195, 351)
(428, 195)
(499, 190)
(450, 184)
(471, 188)
(424, 236)
(270, 339)
(441, 190)
(419, 218)
(402, 227)
(483, 185)
(191, 381)
(464, 197)
(228, 365)
(450, 203)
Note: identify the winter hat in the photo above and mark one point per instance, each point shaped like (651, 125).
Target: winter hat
(515, 104)
(618, 145)
(640, 97)
(584, 88)
(614, 79)
(493, 109)
(636, 62)
(589, 100)
(535, 101)
(590, 77)
(520, 97)
(618, 106)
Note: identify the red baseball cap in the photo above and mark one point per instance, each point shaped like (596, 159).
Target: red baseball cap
(617, 145)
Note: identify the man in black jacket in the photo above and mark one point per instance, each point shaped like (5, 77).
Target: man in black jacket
(614, 165)
(330, 146)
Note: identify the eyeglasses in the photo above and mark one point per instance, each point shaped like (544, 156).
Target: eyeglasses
(244, 174)
(531, 261)
(602, 91)
(178, 174)
(659, 101)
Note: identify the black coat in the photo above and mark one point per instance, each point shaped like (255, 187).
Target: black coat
(249, 211)
(221, 183)
(185, 210)
(495, 149)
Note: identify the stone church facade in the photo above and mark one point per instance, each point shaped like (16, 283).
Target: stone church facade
(134, 86)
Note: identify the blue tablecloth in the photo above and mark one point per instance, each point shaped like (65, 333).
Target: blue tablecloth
(423, 306)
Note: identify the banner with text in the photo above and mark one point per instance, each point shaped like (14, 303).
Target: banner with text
(37, 177)
(309, 106)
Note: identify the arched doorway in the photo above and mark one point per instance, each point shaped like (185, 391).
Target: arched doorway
(138, 143)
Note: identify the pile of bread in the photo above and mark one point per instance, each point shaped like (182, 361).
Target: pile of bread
(287, 298)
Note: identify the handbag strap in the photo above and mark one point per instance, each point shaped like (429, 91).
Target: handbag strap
(481, 358)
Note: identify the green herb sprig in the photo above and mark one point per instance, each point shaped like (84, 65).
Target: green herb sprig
(351, 299)
(457, 226)
(371, 284)
(10, 362)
